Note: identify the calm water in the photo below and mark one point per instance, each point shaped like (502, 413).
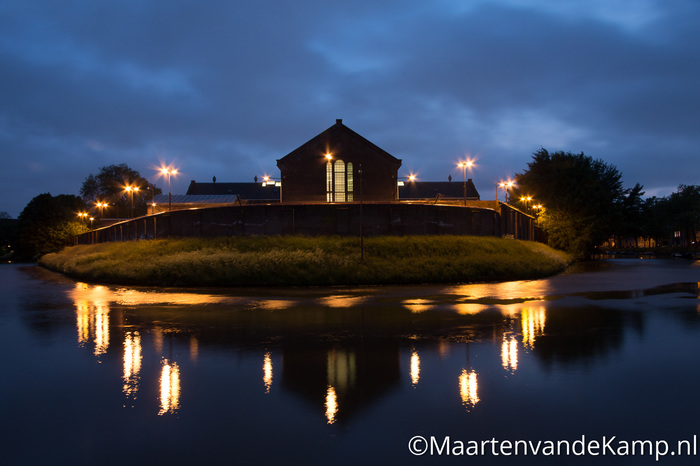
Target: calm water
(110, 375)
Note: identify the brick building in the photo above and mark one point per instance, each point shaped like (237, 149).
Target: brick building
(339, 165)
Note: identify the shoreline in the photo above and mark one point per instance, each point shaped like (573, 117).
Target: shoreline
(308, 261)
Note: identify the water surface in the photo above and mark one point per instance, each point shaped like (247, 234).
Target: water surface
(95, 374)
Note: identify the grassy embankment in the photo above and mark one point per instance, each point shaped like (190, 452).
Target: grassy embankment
(280, 261)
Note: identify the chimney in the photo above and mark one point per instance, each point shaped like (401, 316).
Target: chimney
(339, 121)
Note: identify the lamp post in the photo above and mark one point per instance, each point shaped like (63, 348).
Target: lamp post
(131, 190)
(410, 178)
(101, 205)
(464, 165)
(506, 185)
(537, 208)
(526, 200)
(169, 172)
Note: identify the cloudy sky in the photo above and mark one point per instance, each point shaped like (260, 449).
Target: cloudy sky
(224, 88)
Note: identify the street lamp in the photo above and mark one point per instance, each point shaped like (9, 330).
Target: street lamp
(506, 185)
(526, 200)
(131, 190)
(410, 178)
(169, 172)
(537, 208)
(464, 165)
(101, 205)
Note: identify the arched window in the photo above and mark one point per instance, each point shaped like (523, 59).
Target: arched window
(339, 181)
(349, 184)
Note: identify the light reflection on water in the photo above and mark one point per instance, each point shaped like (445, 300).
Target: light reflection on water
(169, 387)
(516, 325)
(387, 359)
(468, 388)
(132, 363)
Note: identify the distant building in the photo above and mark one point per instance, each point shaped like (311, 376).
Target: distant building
(259, 191)
(339, 165)
(437, 190)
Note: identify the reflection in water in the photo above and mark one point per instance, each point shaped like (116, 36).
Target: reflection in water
(274, 304)
(533, 324)
(169, 387)
(132, 363)
(331, 352)
(415, 368)
(468, 388)
(158, 339)
(133, 297)
(342, 301)
(509, 353)
(418, 305)
(342, 369)
(267, 372)
(92, 316)
(194, 348)
(467, 309)
(443, 348)
(331, 404)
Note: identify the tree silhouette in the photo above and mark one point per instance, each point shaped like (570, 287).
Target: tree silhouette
(109, 186)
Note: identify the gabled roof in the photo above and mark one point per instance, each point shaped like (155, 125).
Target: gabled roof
(246, 191)
(431, 189)
(331, 134)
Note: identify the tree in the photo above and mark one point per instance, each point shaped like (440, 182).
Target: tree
(48, 224)
(582, 197)
(9, 233)
(630, 223)
(109, 186)
(684, 210)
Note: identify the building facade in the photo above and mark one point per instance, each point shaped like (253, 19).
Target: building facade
(338, 166)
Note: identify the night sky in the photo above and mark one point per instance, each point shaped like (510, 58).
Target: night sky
(224, 88)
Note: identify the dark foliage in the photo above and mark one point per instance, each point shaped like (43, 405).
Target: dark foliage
(583, 198)
(109, 186)
(48, 224)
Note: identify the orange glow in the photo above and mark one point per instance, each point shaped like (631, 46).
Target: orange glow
(328, 156)
(415, 368)
(342, 301)
(267, 372)
(169, 388)
(92, 316)
(418, 305)
(468, 387)
(533, 322)
(331, 404)
(132, 363)
(509, 354)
